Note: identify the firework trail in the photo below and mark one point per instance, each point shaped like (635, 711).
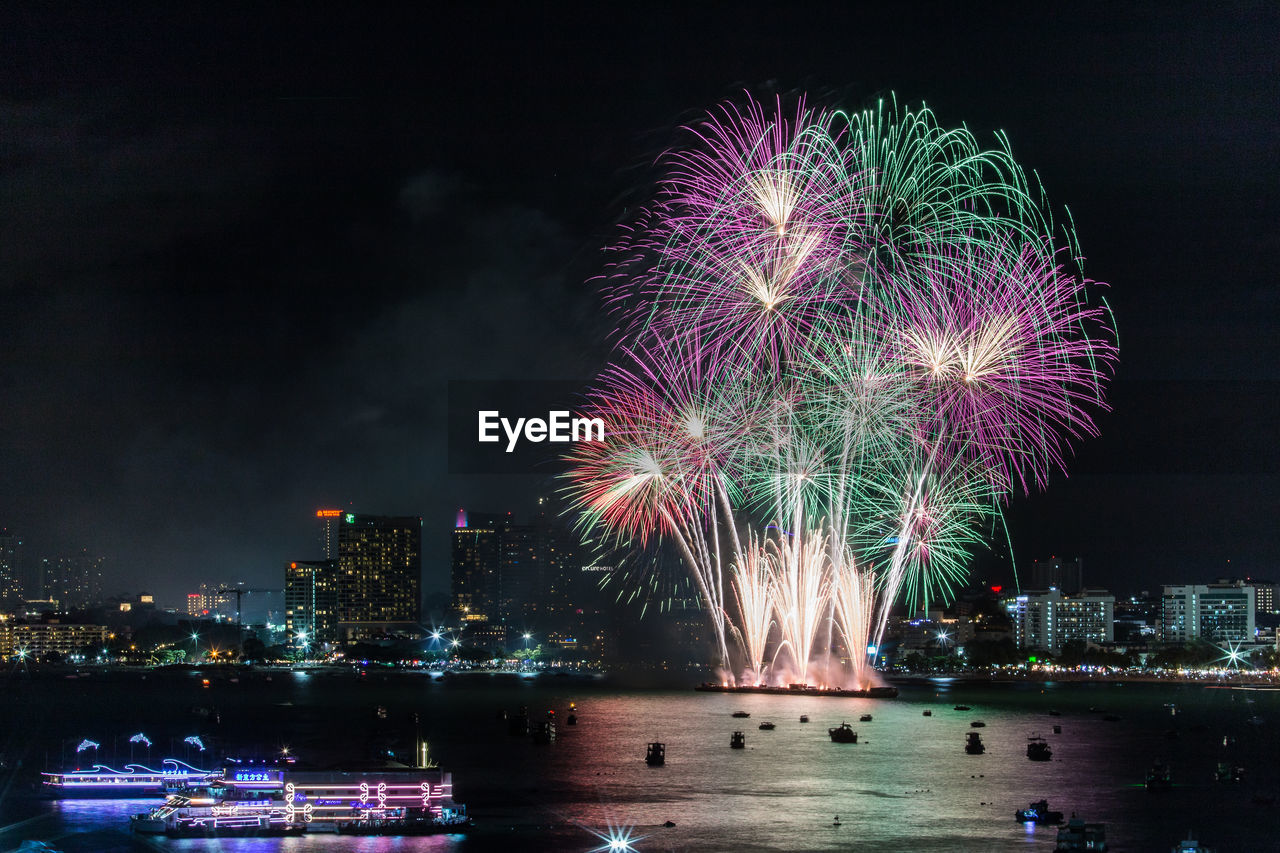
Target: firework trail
(845, 340)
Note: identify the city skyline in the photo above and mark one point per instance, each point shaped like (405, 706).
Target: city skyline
(239, 280)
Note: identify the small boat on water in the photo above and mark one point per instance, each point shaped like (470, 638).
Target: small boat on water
(1191, 845)
(1228, 772)
(544, 731)
(1159, 777)
(656, 754)
(1038, 812)
(926, 713)
(1057, 730)
(962, 708)
(1038, 749)
(767, 727)
(571, 720)
(804, 718)
(973, 744)
(738, 740)
(1054, 713)
(865, 718)
(742, 715)
(1078, 835)
(977, 724)
(843, 733)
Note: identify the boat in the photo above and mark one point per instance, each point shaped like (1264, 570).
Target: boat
(135, 780)
(1054, 713)
(1038, 749)
(518, 723)
(962, 708)
(271, 801)
(767, 727)
(1228, 772)
(742, 715)
(926, 713)
(656, 754)
(805, 689)
(865, 718)
(973, 744)
(1057, 730)
(1078, 835)
(1111, 718)
(1038, 812)
(738, 740)
(843, 733)
(804, 718)
(1191, 845)
(544, 731)
(977, 724)
(1159, 777)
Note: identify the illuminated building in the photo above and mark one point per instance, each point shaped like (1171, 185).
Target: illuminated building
(330, 521)
(379, 575)
(1264, 597)
(476, 566)
(74, 580)
(10, 568)
(310, 602)
(1049, 620)
(1218, 612)
(38, 640)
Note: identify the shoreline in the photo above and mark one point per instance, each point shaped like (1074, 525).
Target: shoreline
(1242, 681)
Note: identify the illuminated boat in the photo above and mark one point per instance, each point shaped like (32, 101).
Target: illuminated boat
(806, 689)
(1038, 812)
(266, 801)
(135, 780)
(973, 744)
(738, 740)
(656, 754)
(1159, 777)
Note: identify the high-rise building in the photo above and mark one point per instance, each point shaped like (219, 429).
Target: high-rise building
(379, 575)
(330, 522)
(73, 580)
(1066, 576)
(476, 566)
(1264, 597)
(1218, 612)
(11, 591)
(310, 602)
(1049, 620)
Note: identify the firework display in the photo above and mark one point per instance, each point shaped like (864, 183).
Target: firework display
(846, 339)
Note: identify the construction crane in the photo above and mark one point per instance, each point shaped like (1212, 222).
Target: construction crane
(238, 592)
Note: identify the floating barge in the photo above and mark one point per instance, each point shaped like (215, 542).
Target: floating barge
(802, 690)
(135, 780)
(266, 801)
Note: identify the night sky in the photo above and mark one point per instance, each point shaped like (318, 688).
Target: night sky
(245, 247)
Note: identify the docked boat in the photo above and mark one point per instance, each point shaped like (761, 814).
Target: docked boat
(1078, 835)
(135, 780)
(269, 801)
(1038, 749)
(656, 754)
(767, 727)
(1159, 777)
(1038, 812)
(973, 744)
(843, 733)
(738, 740)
